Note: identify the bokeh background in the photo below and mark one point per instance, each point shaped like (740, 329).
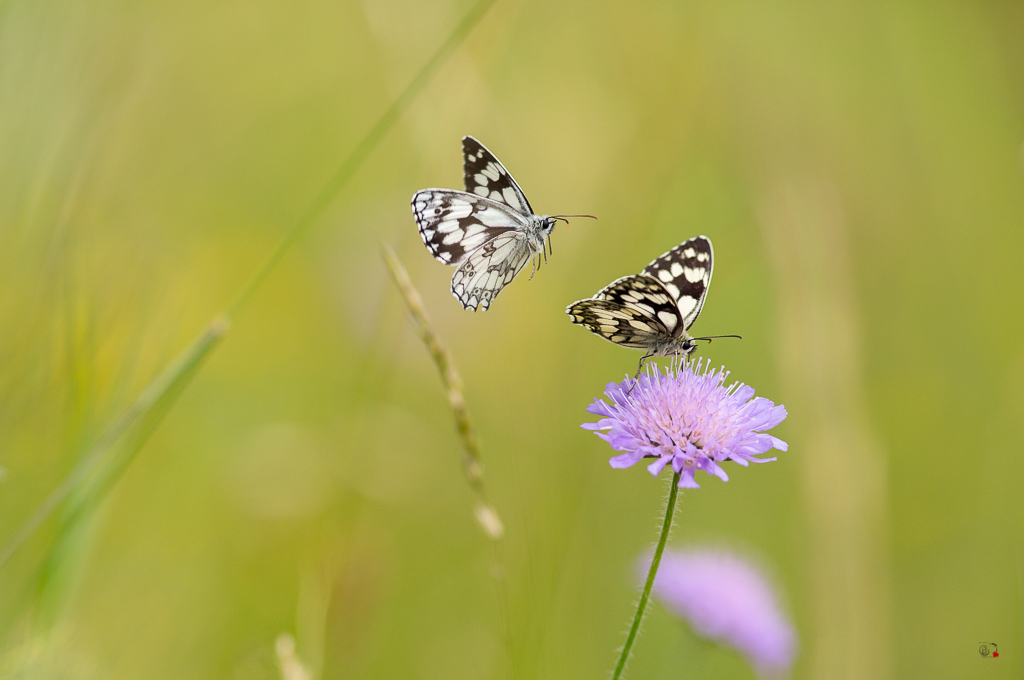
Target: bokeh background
(857, 165)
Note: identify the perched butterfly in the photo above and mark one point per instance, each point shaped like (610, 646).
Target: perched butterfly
(653, 310)
(489, 230)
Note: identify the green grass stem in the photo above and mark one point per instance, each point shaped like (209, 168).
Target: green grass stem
(452, 381)
(102, 466)
(472, 465)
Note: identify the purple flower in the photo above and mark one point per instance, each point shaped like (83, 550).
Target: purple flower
(685, 416)
(728, 600)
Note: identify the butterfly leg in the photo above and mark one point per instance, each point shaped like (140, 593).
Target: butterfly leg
(534, 260)
(639, 368)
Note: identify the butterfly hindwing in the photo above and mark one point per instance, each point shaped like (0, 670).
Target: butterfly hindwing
(685, 272)
(485, 176)
(452, 223)
(489, 269)
(618, 323)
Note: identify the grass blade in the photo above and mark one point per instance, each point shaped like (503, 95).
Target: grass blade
(103, 469)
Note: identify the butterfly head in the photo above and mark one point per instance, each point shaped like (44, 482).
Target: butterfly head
(547, 224)
(689, 344)
(668, 346)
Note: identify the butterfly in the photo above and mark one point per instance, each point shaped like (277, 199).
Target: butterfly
(489, 230)
(653, 310)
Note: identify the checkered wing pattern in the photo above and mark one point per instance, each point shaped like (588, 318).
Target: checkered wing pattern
(453, 224)
(489, 231)
(486, 176)
(634, 311)
(685, 272)
(489, 269)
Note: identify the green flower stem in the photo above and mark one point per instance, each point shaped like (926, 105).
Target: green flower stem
(666, 529)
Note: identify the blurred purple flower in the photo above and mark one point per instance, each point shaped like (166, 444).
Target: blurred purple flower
(685, 416)
(727, 599)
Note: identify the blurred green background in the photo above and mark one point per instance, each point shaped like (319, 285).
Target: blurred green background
(857, 165)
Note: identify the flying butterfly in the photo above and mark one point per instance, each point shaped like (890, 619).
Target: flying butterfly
(653, 310)
(489, 230)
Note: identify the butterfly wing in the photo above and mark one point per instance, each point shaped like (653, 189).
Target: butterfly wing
(453, 224)
(486, 176)
(634, 311)
(685, 272)
(489, 269)
(483, 229)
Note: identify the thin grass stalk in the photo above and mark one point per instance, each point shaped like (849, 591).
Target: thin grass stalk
(288, 662)
(107, 464)
(472, 465)
(162, 391)
(844, 480)
(452, 381)
(169, 384)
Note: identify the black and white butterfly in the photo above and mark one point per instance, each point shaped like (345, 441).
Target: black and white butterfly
(653, 310)
(489, 230)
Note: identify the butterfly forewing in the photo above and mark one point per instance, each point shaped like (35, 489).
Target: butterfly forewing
(489, 269)
(685, 272)
(486, 176)
(645, 296)
(454, 223)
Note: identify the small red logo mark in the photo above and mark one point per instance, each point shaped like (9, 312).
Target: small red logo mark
(987, 649)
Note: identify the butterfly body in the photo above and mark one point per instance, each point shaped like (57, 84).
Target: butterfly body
(652, 310)
(489, 231)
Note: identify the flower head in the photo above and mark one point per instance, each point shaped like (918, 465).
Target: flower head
(686, 417)
(727, 599)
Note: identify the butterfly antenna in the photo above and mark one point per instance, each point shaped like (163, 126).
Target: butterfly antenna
(709, 338)
(563, 217)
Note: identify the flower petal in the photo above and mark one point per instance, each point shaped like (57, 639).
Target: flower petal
(658, 465)
(714, 469)
(686, 481)
(744, 393)
(626, 460)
